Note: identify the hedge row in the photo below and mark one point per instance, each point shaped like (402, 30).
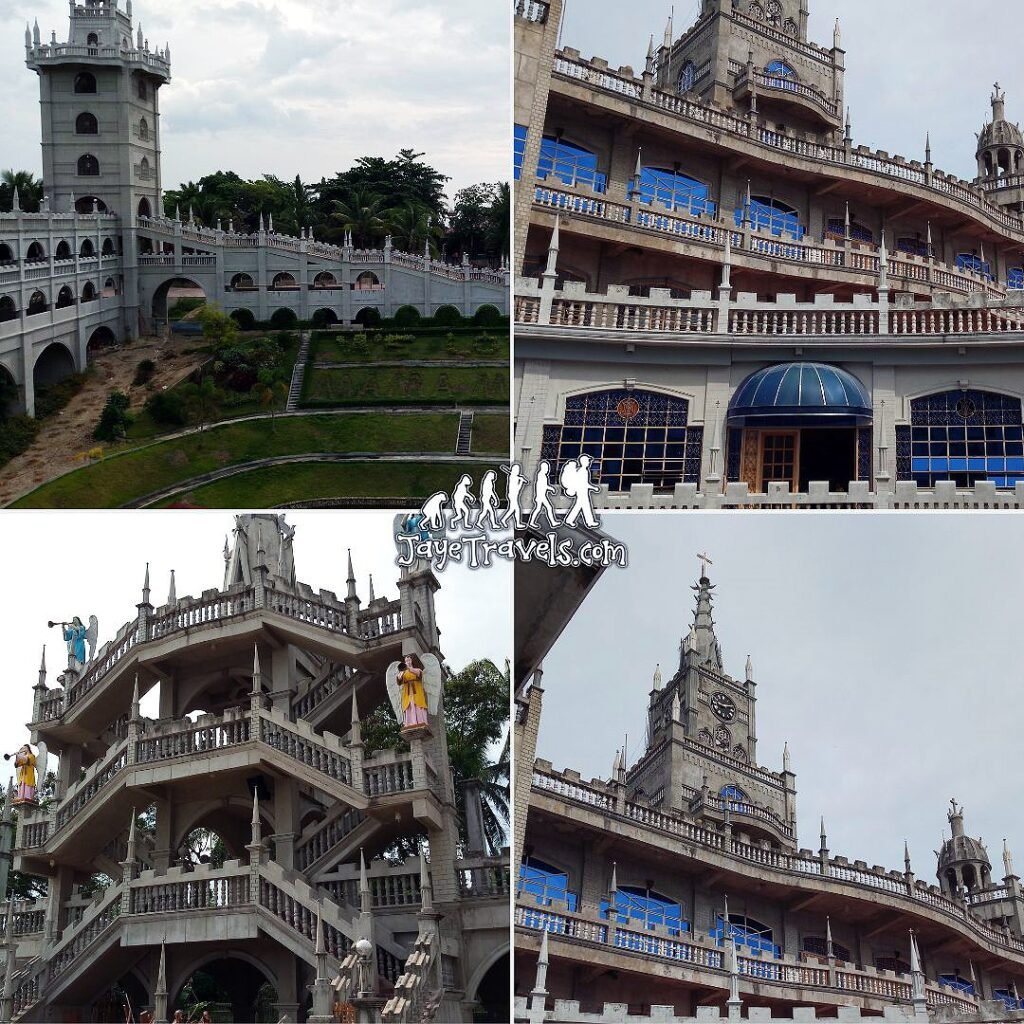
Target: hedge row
(445, 318)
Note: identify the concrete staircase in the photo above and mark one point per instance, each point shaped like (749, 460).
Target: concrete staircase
(462, 445)
(298, 374)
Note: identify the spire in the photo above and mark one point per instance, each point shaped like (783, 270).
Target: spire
(257, 675)
(650, 66)
(615, 880)
(372, 595)
(787, 764)
(28, 36)
(550, 270)
(829, 952)
(136, 713)
(657, 676)
(676, 710)
(669, 33)
(227, 550)
(255, 832)
(539, 995)
(750, 669)
(145, 586)
(906, 857)
(837, 37)
(883, 265)
(929, 240)
(160, 992)
(16, 201)
(42, 667)
(928, 147)
(917, 980)
(846, 221)
(998, 104)
(703, 639)
(172, 592)
(616, 765)
(824, 839)
(36, 37)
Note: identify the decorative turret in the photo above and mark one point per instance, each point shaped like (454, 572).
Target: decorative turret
(1000, 142)
(963, 861)
(261, 539)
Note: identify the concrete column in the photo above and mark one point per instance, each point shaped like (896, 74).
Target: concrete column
(163, 837)
(59, 887)
(286, 818)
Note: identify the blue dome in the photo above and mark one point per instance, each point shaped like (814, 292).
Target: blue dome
(801, 393)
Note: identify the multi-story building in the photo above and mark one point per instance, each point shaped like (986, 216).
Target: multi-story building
(676, 890)
(722, 298)
(263, 686)
(97, 263)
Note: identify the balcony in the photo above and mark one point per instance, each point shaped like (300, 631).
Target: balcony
(778, 94)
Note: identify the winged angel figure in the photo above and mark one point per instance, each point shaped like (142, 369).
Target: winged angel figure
(414, 686)
(31, 772)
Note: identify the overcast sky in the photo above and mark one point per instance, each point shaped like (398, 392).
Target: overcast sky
(911, 67)
(886, 651)
(303, 86)
(92, 563)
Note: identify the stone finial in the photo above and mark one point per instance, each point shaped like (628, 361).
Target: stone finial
(787, 764)
(837, 37)
(28, 37)
(227, 550)
(160, 993)
(669, 33)
(172, 592)
(829, 951)
(824, 836)
(657, 676)
(139, 39)
(255, 831)
(321, 950)
(676, 709)
(257, 675)
(928, 238)
(614, 888)
(16, 201)
(616, 765)
(1007, 860)
(145, 586)
(906, 857)
(928, 147)
(426, 889)
(550, 270)
(750, 669)
(36, 37)
(651, 58)
(177, 212)
(42, 667)
(373, 597)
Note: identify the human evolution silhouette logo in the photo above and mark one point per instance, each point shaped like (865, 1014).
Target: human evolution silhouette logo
(466, 528)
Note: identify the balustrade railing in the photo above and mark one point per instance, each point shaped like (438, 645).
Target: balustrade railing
(484, 876)
(318, 613)
(305, 747)
(306, 702)
(191, 740)
(219, 889)
(392, 889)
(109, 655)
(82, 793)
(382, 780)
(28, 919)
(531, 10)
(192, 612)
(299, 917)
(327, 838)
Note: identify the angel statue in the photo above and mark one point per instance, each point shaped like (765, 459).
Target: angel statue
(77, 635)
(30, 768)
(414, 686)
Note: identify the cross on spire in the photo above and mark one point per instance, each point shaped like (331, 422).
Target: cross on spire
(705, 561)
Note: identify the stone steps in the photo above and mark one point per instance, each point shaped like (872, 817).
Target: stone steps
(465, 438)
(298, 374)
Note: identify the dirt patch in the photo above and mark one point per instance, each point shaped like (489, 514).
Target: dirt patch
(69, 433)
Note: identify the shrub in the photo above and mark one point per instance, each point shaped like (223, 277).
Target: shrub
(54, 397)
(144, 372)
(183, 307)
(448, 316)
(407, 316)
(115, 418)
(487, 316)
(167, 408)
(245, 319)
(284, 318)
(16, 435)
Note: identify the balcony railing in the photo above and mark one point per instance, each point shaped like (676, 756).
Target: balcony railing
(531, 10)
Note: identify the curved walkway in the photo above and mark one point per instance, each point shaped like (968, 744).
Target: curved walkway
(284, 460)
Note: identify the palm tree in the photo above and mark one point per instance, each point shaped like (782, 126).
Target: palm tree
(29, 187)
(410, 224)
(362, 214)
(496, 234)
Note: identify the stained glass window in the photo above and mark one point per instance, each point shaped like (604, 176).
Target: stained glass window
(837, 229)
(964, 436)
(687, 76)
(779, 69)
(968, 261)
(914, 246)
(1007, 998)
(634, 437)
(518, 150)
(744, 931)
(572, 165)
(646, 909)
(545, 883)
(674, 191)
(1015, 277)
(772, 215)
(955, 981)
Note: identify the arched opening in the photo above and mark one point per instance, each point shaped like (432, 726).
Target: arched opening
(102, 337)
(642, 907)
(283, 282)
(243, 282)
(168, 298)
(781, 75)
(36, 253)
(88, 249)
(88, 292)
(745, 931)
(734, 797)
(120, 1001)
(108, 247)
(569, 164)
(367, 316)
(367, 281)
(970, 877)
(1003, 159)
(88, 166)
(8, 308)
(85, 82)
(237, 988)
(674, 191)
(65, 297)
(10, 393)
(6, 253)
(63, 251)
(284, 319)
(144, 168)
(324, 317)
(144, 130)
(142, 89)
(37, 304)
(492, 992)
(325, 279)
(109, 288)
(90, 204)
(86, 124)
(546, 884)
(766, 213)
(92, 39)
(55, 363)
(145, 210)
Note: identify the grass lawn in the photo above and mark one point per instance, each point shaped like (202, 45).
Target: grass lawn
(370, 347)
(122, 478)
(490, 434)
(416, 385)
(277, 485)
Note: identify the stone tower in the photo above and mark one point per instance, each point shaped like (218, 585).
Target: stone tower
(963, 861)
(1001, 156)
(701, 754)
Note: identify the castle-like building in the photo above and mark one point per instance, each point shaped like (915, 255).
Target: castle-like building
(675, 890)
(724, 300)
(97, 263)
(264, 687)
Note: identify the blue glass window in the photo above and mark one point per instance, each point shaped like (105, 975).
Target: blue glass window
(1015, 277)
(1007, 998)
(745, 931)
(734, 795)
(572, 165)
(518, 150)
(964, 436)
(914, 246)
(772, 215)
(674, 191)
(687, 76)
(781, 75)
(956, 982)
(545, 883)
(650, 909)
(968, 261)
(837, 229)
(634, 437)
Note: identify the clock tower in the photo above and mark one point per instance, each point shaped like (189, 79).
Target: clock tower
(701, 756)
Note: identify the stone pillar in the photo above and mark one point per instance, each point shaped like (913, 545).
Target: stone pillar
(59, 887)
(163, 837)
(473, 804)
(286, 812)
(527, 725)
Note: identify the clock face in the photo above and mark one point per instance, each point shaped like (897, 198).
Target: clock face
(723, 706)
(722, 738)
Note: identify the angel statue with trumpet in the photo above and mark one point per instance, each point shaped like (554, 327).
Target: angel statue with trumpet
(77, 635)
(414, 686)
(30, 768)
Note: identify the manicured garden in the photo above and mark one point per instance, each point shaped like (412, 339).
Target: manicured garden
(391, 346)
(122, 478)
(414, 385)
(490, 434)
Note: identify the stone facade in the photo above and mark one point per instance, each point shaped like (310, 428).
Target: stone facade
(97, 264)
(685, 228)
(263, 688)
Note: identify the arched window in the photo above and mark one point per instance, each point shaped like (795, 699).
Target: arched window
(964, 436)
(954, 981)
(633, 437)
(87, 249)
(144, 166)
(545, 883)
(143, 89)
(972, 262)
(367, 281)
(88, 166)
(85, 82)
(109, 288)
(773, 12)
(145, 210)
(645, 908)
(108, 247)
(65, 297)
(705, 737)
(687, 78)
(88, 292)
(86, 124)
(745, 931)
(790, 27)
(773, 215)
(733, 795)
(781, 75)
(284, 281)
(819, 947)
(518, 150)
(569, 164)
(740, 753)
(63, 251)
(675, 191)
(8, 309)
(1015, 277)
(36, 253)
(90, 204)
(92, 39)
(326, 279)
(144, 130)
(36, 304)
(242, 281)
(755, 10)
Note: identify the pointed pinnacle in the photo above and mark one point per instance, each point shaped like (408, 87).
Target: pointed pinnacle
(543, 958)
(255, 807)
(364, 885)
(320, 950)
(355, 708)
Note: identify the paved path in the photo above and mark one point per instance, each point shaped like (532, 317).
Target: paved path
(441, 364)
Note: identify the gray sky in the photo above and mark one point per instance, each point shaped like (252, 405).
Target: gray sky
(911, 67)
(93, 563)
(886, 650)
(303, 86)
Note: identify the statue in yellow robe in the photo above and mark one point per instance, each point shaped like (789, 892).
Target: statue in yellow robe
(414, 696)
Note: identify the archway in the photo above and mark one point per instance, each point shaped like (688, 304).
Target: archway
(170, 295)
(65, 297)
(10, 394)
(54, 364)
(325, 279)
(283, 281)
(102, 337)
(128, 994)
(6, 253)
(63, 251)
(109, 288)
(491, 991)
(87, 250)
(367, 281)
(8, 308)
(90, 204)
(86, 124)
(240, 988)
(89, 292)
(242, 282)
(108, 247)
(36, 253)
(145, 210)
(324, 317)
(37, 304)
(367, 316)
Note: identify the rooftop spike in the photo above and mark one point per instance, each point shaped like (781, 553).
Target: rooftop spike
(906, 856)
(657, 676)
(750, 669)
(1007, 859)
(787, 763)
(257, 675)
(829, 952)
(372, 595)
(320, 949)
(669, 33)
(172, 591)
(928, 147)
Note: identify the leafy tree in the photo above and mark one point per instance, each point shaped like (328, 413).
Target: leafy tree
(480, 220)
(218, 327)
(201, 399)
(362, 213)
(271, 393)
(115, 418)
(30, 190)
(412, 224)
